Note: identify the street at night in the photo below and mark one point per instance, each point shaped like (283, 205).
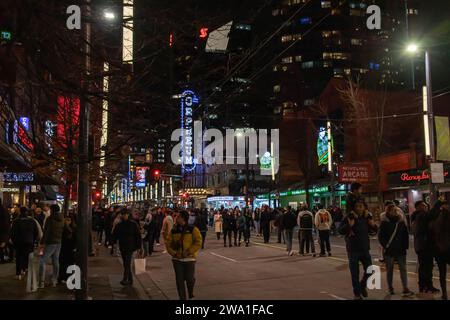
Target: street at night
(225, 158)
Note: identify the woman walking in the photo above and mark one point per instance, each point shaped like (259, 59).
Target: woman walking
(218, 224)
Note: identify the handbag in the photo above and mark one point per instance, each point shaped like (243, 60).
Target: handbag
(392, 237)
(139, 265)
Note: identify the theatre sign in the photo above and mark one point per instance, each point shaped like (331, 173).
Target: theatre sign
(414, 177)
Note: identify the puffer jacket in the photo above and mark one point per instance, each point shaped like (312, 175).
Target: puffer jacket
(184, 242)
(53, 229)
(323, 220)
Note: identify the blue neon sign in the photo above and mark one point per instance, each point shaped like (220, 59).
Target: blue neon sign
(189, 101)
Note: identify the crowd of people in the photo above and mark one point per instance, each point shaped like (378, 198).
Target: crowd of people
(181, 233)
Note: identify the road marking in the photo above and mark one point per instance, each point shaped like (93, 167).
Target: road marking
(218, 255)
(334, 258)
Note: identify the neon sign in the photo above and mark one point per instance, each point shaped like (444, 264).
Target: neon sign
(203, 33)
(322, 146)
(5, 35)
(18, 177)
(189, 100)
(25, 122)
(21, 138)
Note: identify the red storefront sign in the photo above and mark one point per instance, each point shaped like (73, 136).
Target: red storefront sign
(349, 173)
(413, 177)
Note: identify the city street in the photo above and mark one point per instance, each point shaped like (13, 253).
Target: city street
(264, 271)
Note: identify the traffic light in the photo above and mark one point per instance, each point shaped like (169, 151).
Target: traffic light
(97, 195)
(203, 33)
(156, 174)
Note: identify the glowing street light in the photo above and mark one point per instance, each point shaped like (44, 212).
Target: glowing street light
(412, 48)
(108, 15)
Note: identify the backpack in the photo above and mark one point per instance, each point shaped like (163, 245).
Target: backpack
(306, 221)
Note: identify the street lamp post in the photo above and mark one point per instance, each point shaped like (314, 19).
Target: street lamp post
(428, 119)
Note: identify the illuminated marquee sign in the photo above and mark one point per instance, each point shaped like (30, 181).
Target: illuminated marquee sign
(25, 122)
(20, 136)
(18, 177)
(189, 101)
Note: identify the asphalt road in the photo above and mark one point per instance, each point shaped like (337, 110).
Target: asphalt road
(265, 272)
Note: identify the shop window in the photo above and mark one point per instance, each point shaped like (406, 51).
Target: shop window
(287, 60)
(308, 65)
(298, 58)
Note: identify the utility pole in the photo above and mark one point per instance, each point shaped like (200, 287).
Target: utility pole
(83, 164)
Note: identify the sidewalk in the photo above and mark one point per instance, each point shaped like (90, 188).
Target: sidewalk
(105, 273)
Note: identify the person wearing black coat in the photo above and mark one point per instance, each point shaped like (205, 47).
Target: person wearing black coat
(227, 225)
(266, 217)
(353, 197)
(356, 227)
(109, 219)
(5, 229)
(288, 223)
(201, 222)
(420, 225)
(128, 235)
(68, 245)
(394, 239)
(24, 234)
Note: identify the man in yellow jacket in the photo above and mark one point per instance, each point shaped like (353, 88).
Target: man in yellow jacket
(183, 244)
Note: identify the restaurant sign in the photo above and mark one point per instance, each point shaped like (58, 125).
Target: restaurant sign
(414, 177)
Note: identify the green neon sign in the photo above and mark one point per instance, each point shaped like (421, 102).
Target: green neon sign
(5, 35)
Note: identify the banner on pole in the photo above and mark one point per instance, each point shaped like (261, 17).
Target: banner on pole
(443, 138)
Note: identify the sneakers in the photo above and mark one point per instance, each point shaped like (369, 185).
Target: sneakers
(41, 285)
(407, 293)
(391, 291)
(364, 292)
(432, 290)
(322, 255)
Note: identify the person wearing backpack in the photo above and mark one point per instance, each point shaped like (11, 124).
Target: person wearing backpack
(305, 221)
(394, 239)
(323, 222)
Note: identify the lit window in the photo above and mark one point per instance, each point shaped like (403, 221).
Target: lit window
(286, 38)
(325, 4)
(298, 58)
(305, 20)
(357, 13)
(327, 55)
(357, 42)
(287, 60)
(284, 68)
(276, 88)
(338, 73)
(327, 64)
(308, 65)
(308, 102)
(335, 55)
(347, 71)
(276, 67)
(326, 34)
(276, 12)
(335, 12)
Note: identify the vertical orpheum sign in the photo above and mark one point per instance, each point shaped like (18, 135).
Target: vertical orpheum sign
(189, 100)
(127, 48)
(49, 134)
(104, 137)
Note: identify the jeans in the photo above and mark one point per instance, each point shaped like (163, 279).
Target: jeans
(203, 233)
(425, 272)
(126, 259)
(280, 235)
(390, 270)
(100, 236)
(257, 227)
(22, 253)
(227, 233)
(354, 258)
(235, 234)
(184, 272)
(305, 238)
(324, 236)
(218, 235)
(266, 232)
(288, 234)
(50, 250)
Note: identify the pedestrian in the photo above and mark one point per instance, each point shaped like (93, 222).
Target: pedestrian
(248, 224)
(227, 218)
(256, 221)
(51, 244)
(158, 218)
(394, 238)
(356, 227)
(167, 224)
(100, 225)
(5, 229)
(116, 219)
(440, 237)
(218, 224)
(127, 233)
(108, 226)
(183, 244)
(305, 220)
(40, 217)
(288, 223)
(233, 226)
(266, 217)
(354, 196)
(323, 223)
(150, 231)
(202, 224)
(279, 224)
(421, 220)
(68, 246)
(25, 231)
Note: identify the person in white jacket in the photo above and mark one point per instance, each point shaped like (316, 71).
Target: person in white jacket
(323, 222)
